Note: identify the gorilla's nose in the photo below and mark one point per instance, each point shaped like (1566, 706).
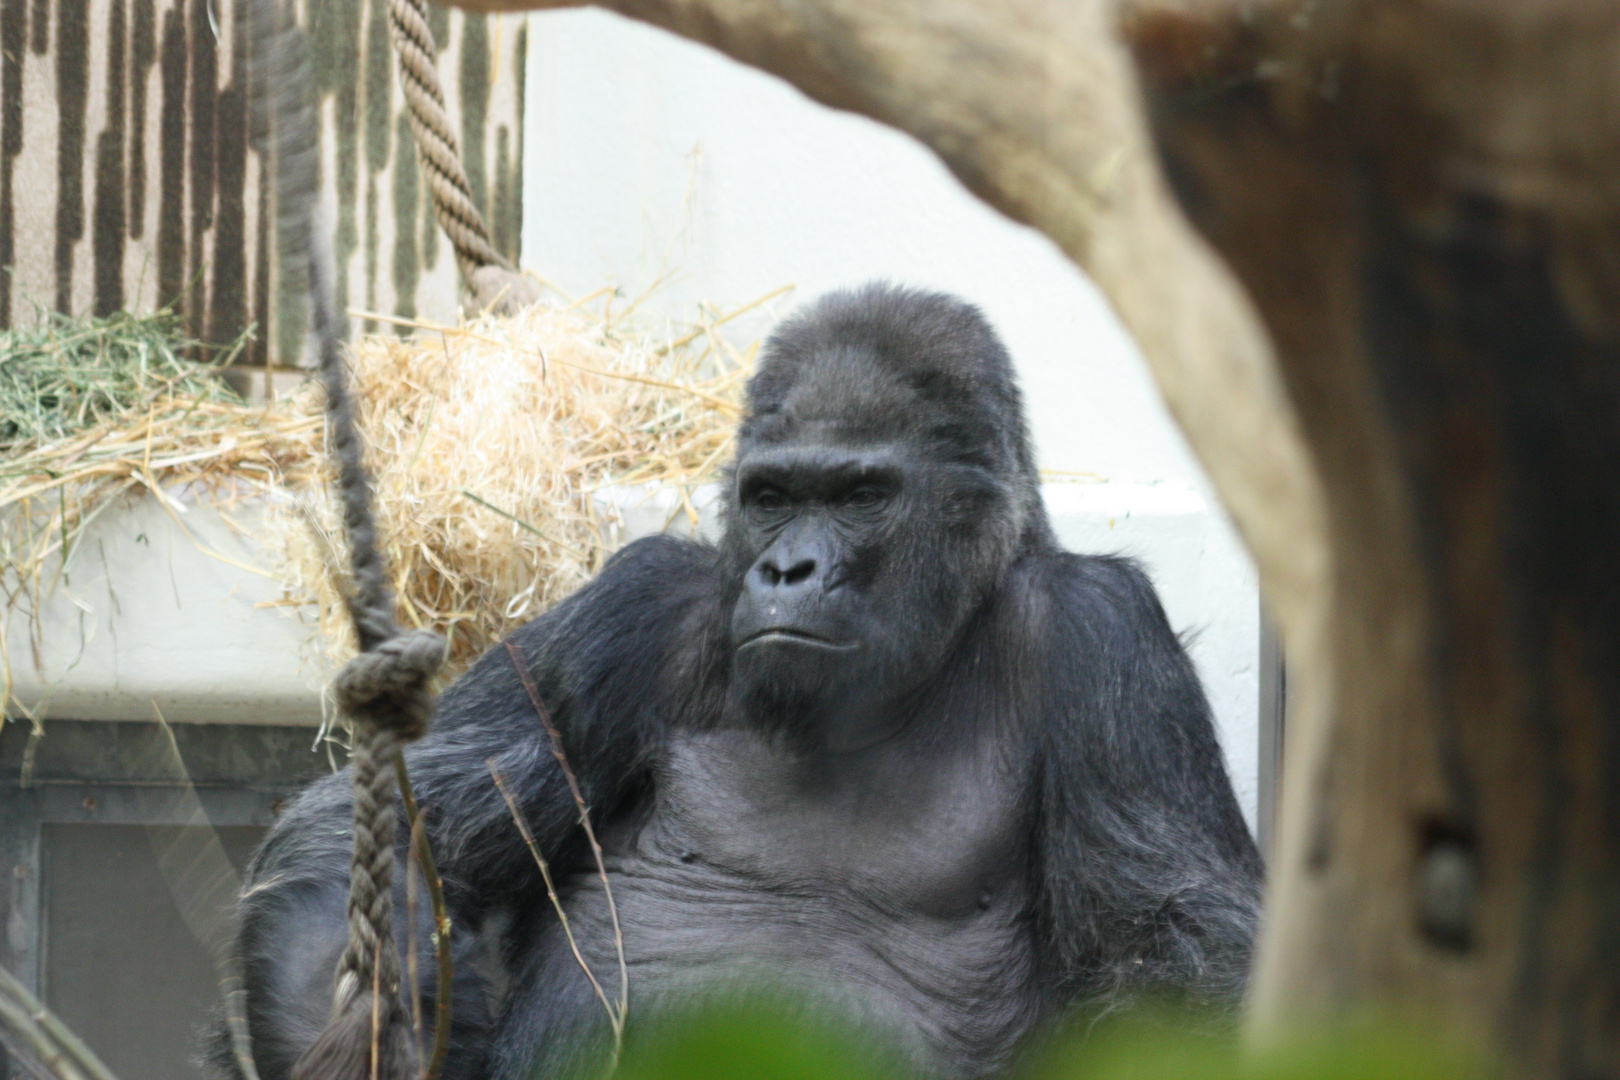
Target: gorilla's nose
(797, 572)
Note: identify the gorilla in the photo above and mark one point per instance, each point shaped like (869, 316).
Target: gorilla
(886, 745)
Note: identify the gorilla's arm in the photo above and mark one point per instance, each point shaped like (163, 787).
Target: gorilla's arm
(604, 661)
(1148, 879)
(598, 660)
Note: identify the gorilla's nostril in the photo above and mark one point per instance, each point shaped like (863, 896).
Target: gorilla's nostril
(799, 572)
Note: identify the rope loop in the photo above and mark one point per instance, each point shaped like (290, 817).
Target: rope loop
(388, 686)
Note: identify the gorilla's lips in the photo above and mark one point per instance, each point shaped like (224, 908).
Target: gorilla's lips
(773, 635)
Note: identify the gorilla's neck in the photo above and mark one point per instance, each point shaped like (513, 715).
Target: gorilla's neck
(825, 718)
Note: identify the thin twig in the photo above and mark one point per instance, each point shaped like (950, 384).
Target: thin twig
(40, 1046)
(584, 816)
(412, 964)
(520, 523)
(687, 339)
(376, 1005)
(59, 1048)
(441, 925)
(721, 404)
(551, 891)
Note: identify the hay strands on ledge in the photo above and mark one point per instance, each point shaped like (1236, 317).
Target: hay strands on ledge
(487, 439)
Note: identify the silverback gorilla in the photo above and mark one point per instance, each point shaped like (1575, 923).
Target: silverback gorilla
(886, 744)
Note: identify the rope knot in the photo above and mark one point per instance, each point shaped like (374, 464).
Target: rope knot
(388, 686)
(501, 291)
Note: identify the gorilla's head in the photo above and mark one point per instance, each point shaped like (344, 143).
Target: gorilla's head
(883, 485)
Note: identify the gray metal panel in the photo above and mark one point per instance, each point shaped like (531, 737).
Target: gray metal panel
(124, 965)
(121, 845)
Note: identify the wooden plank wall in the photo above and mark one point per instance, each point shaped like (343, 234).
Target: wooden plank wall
(127, 181)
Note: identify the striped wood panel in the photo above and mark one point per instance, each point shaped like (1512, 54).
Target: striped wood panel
(127, 179)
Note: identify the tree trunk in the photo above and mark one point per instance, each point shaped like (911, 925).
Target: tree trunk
(1422, 197)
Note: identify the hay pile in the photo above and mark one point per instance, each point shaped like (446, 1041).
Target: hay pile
(66, 377)
(487, 442)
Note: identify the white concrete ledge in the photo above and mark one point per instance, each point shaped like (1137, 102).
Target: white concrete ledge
(152, 613)
(146, 616)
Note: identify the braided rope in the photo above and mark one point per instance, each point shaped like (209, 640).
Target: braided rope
(437, 147)
(384, 691)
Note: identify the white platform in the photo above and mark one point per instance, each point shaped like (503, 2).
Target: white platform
(189, 620)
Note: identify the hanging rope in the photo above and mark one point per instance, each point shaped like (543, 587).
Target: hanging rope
(384, 691)
(491, 280)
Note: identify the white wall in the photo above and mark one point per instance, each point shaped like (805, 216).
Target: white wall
(647, 155)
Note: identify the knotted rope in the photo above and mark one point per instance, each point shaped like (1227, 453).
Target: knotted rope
(491, 280)
(384, 691)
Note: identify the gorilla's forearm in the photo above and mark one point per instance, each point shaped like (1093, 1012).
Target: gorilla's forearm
(293, 928)
(1150, 877)
(293, 910)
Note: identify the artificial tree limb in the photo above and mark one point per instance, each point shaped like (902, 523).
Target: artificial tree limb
(1423, 198)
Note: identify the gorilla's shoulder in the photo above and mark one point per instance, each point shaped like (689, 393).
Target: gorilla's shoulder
(644, 585)
(661, 553)
(1070, 578)
(1092, 596)
(619, 629)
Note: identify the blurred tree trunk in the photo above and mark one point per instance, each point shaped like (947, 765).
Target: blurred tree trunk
(1422, 197)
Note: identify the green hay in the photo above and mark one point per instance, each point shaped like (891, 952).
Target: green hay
(69, 375)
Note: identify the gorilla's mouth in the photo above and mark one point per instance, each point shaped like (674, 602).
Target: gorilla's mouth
(791, 635)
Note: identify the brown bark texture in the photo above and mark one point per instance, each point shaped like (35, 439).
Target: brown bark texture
(1423, 197)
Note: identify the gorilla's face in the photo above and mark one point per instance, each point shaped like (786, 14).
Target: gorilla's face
(863, 560)
(882, 488)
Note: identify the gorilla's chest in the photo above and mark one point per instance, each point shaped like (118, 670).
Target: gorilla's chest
(890, 883)
(922, 835)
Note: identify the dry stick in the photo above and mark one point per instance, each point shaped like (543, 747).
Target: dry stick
(522, 824)
(441, 924)
(662, 350)
(700, 331)
(588, 297)
(376, 1005)
(39, 1045)
(412, 965)
(584, 815)
(57, 1046)
(514, 519)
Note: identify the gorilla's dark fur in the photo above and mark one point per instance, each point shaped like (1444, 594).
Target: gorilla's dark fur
(887, 744)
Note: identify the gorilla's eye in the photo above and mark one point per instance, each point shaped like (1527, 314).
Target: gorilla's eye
(864, 497)
(770, 500)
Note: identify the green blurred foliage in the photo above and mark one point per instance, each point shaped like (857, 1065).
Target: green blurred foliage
(764, 1041)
